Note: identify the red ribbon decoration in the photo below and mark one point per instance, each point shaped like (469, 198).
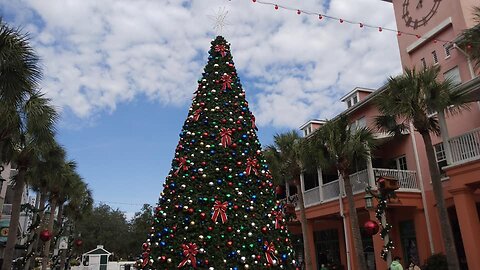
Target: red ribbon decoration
(226, 138)
(278, 218)
(252, 164)
(269, 252)
(254, 126)
(182, 165)
(221, 49)
(145, 258)
(219, 209)
(189, 252)
(196, 114)
(226, 81)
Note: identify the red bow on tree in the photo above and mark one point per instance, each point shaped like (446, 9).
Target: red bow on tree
(269, 252)
(145, 258)
(226, 81)
(220, 209)
(182, 165)
(254, 126)
(221, 49)
(189, 253)
(278, 218)
(196, 114)
(252, 164)
(226, 136)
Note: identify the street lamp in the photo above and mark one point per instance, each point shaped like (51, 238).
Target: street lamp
(368, 200)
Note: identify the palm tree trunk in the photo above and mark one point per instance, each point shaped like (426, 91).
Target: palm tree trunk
(46, 248)
(357, 238)
(14, 219)
(34, 237)
(445, 227)
(305, 230)
(62, 252)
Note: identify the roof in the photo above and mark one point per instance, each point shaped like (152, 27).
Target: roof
(313, 121)
(356, 89)
(99, 250)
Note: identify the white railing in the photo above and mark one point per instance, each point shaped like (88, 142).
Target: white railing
(466, 146)
(331, 190)
(311, 196)
(293, 199)
(406, 179)
(359, 180)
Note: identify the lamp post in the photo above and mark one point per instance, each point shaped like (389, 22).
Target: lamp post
(368, 201)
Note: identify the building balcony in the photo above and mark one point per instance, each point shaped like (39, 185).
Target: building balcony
(465, 147)
(330, 191)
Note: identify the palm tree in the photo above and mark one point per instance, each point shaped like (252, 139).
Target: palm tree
(26, 117)
(285, 159)
(59, 187)
(32, 129)
(471, 39)
(411, 98)
(341, 146)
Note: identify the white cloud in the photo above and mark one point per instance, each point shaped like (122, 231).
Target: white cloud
(294, 67)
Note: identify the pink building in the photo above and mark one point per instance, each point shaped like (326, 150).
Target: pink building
(416, 230)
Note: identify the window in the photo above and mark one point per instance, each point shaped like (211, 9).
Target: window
(401, 163)
(453, 75)
(361, 122)
(440, 157)
(349, 103)
(355, 99)
(424, 63)
(435, 57)
(447, 47)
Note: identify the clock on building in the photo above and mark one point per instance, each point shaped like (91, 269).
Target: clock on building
(417, 13)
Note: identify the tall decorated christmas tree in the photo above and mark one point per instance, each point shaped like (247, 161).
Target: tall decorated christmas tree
(218, 209)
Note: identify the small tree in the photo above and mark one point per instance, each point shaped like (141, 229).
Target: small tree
(471, 39)
(411, 98)
(342, 146)
(286, 161)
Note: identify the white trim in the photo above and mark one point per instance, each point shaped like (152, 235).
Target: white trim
(429, 34)
(420, 183)
(356, 89)
(313, 121)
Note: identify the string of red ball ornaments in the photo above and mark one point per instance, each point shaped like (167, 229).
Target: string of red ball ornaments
(360, 24)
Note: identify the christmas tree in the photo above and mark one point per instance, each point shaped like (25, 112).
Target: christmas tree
(218, 209)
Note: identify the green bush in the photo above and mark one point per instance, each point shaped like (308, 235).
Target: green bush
(436, 262)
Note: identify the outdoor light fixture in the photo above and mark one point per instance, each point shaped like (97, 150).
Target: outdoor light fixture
(368, 200)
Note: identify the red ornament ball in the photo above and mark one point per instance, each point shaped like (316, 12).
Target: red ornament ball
(371, 227)
(79, 242)
(264, 230)
(45, 235)
(203, 216)
(229, 229)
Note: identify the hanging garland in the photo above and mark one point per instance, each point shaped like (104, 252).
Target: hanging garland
(383, 196)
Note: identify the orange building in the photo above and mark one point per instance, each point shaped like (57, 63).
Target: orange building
(416, 231)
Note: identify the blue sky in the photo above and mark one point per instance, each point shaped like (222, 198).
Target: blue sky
(122, 73)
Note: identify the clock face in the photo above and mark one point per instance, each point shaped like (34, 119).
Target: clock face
(417, 13)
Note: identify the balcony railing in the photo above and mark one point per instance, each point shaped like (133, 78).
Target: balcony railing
(359, 180)
(465, 147)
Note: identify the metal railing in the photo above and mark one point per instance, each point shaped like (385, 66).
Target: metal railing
(406, 179)
(359, 180)
(466, 146)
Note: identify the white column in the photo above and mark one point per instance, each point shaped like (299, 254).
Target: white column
(445, 138)
(302, 187)
(370, 172)
(387, 238)
(320, 183)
